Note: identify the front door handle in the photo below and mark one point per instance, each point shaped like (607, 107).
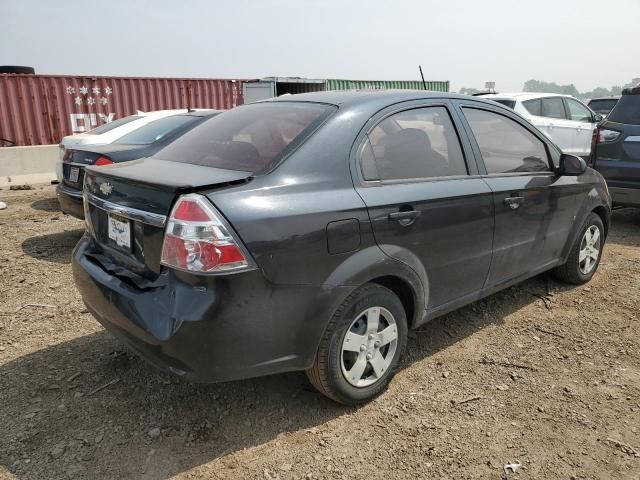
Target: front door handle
(514, 202)
(404, 217)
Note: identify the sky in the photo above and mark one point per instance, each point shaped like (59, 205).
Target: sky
(584, 42)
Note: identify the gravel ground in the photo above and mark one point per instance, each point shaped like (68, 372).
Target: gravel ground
(543, 375)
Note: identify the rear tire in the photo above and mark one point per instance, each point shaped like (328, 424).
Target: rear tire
(361, 348)
(585, 254)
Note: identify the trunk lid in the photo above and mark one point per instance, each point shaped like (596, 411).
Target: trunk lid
(126, 206)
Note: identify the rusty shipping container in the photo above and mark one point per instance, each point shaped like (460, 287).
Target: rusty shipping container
(41, 109)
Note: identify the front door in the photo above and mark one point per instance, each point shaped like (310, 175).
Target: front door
(534, 206)
(428, 206)
(582, 119)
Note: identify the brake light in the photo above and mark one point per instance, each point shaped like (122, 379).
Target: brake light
(197, 239)
(605, 135)
(102, 160)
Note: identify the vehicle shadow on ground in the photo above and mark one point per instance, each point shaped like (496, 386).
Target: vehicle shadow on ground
(53, 247)
(106, 434)
(625, 227)
(47, 205)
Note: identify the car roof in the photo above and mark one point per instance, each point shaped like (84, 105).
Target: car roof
(522, 96)
(378, 98)
(200, 113)
(610, 97)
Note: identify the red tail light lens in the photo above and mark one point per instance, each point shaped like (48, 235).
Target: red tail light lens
(102, 160)
(197, 239)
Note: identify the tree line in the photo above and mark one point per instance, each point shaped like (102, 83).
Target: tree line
(552, 87)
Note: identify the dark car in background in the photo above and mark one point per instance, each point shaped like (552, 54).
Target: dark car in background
(312, 231)
(142, 142)
(616, 153)
(603, 105)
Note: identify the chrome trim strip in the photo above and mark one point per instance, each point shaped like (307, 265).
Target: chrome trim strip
(70, 192)
(634, 138)
(154, 219)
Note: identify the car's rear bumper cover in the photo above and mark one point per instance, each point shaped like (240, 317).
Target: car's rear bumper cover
(70, 201)
(629, 197)
(208, 329)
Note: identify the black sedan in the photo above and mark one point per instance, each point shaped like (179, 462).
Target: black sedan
(312, 232)
(143, 142)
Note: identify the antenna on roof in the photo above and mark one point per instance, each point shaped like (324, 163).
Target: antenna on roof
(424, 84)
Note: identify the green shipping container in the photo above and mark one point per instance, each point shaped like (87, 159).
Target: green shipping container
(337, 84)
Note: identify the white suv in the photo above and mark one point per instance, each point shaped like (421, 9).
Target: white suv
(564, 119)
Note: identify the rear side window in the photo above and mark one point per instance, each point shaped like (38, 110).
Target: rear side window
(107, 127)
(156, 130)
(418, 143)
(534, 107)
(627, 110)
(505, 102)
(553, 107)
(247, 138)
(578, 112)
(505, 145)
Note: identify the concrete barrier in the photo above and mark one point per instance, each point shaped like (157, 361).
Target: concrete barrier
(28, 165)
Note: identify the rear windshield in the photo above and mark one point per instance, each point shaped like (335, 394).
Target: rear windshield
(248, 138)
(505, 102)
(156, 130)
(627, 110)
(107, 127)
(603, 106)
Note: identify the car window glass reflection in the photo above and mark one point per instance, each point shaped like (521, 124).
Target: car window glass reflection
(505, 145)
(418, 143)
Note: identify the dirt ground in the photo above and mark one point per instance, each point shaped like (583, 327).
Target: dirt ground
(543, 374)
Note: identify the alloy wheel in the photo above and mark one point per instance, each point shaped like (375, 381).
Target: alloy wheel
(589, 250)
(369, 346)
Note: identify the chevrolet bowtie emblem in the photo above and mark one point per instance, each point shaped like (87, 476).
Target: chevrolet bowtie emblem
(106, 189)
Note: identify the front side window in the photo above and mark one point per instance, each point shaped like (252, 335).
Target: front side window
(578, 112)
(505, 145)
(553, 107)
(156, 130)
(247, 138)
(413, 144)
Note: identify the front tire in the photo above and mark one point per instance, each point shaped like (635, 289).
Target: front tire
(361, 347)
(585, 254)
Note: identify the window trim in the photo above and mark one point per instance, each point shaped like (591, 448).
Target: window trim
(363, 138)
(553, 170)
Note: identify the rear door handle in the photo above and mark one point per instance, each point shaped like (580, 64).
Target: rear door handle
(514, 202)
(404, 217)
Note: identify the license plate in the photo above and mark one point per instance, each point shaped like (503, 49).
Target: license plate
(120, 230)
(73, 174)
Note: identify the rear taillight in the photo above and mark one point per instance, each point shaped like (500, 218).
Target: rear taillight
(197, 239)
(102, 160)
(605, 135)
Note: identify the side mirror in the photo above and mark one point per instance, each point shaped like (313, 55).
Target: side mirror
(572, 165)
(597, 118)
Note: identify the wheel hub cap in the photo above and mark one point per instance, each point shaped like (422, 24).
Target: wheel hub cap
(369, 346)
(589, 250)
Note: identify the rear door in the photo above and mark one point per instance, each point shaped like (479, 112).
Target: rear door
(428, 205)
(534, 206)
(558, 127)
(582, 119)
